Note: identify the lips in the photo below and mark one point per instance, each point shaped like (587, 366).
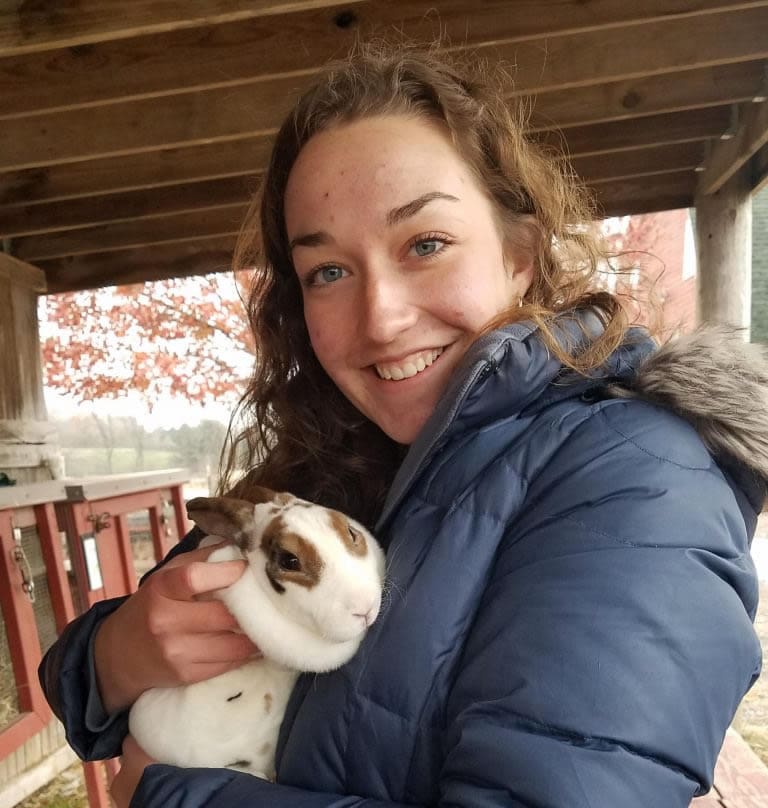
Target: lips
(408, 366)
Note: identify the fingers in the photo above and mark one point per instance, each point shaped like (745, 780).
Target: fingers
(193, 617)
(200, 554)
(186, 581)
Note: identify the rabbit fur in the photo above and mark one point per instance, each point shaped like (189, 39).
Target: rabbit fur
(312, 588)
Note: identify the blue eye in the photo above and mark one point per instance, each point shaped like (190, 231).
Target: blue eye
(428, 246)
(325, 275)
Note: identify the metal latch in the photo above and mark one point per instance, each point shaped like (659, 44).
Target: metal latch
(22, 562)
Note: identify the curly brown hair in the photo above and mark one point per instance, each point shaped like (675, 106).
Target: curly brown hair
(299, 432)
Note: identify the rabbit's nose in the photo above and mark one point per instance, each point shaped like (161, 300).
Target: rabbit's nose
(368, 617)
(370, 614)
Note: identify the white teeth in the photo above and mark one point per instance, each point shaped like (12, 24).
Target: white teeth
(409, 367)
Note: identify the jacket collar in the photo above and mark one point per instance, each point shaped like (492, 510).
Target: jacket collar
(534, 379)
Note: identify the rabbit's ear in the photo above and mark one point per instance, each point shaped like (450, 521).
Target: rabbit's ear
(226, 517)
(258, 494)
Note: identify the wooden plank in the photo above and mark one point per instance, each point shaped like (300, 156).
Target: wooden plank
(189, 226)
(670, 92)
(139, 265)
(730, 155)
(19, 273)
(134, 205)
(647, 194)
(667, 46)
(241, 157)
(34, 26)
(146, 125)
(639, 162)
(137, 171)
(236, 52)
(654, 130)
(58, 584)
(20, 626)
(258, 107)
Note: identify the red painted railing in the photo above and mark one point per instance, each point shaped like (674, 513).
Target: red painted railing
(85, 543)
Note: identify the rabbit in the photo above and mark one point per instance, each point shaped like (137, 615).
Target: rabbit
(312, 588)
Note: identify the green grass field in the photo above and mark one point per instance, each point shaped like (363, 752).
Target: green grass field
(85, 462)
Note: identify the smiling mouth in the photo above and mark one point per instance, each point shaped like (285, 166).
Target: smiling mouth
(408, 367)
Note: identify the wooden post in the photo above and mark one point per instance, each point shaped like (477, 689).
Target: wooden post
(724, 252)
(27, 451)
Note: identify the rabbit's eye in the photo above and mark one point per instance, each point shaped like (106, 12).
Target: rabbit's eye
(288, 561)
(354, 534)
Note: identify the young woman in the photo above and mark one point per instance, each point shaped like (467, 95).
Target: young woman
(571, 592)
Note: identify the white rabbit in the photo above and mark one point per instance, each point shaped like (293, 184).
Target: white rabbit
(312, 588)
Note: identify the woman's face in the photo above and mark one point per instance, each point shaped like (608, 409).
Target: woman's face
(400, 260)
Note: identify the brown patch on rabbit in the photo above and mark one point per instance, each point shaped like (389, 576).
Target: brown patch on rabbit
(350, 536)
(290, 557)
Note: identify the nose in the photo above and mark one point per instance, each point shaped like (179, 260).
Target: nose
(388, 308)
(369, 612)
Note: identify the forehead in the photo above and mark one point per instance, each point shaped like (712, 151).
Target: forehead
(373, 164)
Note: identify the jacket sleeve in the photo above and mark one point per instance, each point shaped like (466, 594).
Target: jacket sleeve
(67, 675)
(171, 787)
(614, 640)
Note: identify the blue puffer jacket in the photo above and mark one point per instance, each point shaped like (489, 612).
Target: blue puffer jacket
(568, 620)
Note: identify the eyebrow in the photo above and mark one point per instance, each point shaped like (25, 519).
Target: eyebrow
(395, 216)
(398, 215)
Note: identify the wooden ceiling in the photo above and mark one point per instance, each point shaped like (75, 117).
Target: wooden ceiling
(133, 132)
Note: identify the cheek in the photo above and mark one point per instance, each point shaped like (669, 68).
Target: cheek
(324, 338)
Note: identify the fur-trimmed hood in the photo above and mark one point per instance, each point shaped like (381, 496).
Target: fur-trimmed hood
(718, 383)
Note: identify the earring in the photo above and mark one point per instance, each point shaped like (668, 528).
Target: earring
(519, 302)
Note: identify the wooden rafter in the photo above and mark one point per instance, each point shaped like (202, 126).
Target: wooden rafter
(133, 172)
(189, 226)
(134, 135)
(191, 57)
(27, 220)
(139, 265)
(246, 110)
(750, 134)
(33, 27)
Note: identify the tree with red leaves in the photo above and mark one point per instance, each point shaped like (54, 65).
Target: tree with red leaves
(184, 338)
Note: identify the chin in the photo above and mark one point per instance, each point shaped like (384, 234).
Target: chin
(405, 434)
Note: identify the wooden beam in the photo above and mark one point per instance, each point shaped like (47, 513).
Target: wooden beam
(667, 46)
(147, 125)
(12, 270)
(189, 226)
(647, 194)
(670, 92)
(28, 27)
(136, 171)
(723, 251)
(139, 265)
(26, 220)
(231, 53)
(603, 168)
(654, 130)
(751, 134)
(258, 107)
(760, 170)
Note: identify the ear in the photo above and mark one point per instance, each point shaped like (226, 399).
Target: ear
(224, 516)
(257, 494)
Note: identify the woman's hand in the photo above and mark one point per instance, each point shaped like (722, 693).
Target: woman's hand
(133, 761)
(164, 635)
